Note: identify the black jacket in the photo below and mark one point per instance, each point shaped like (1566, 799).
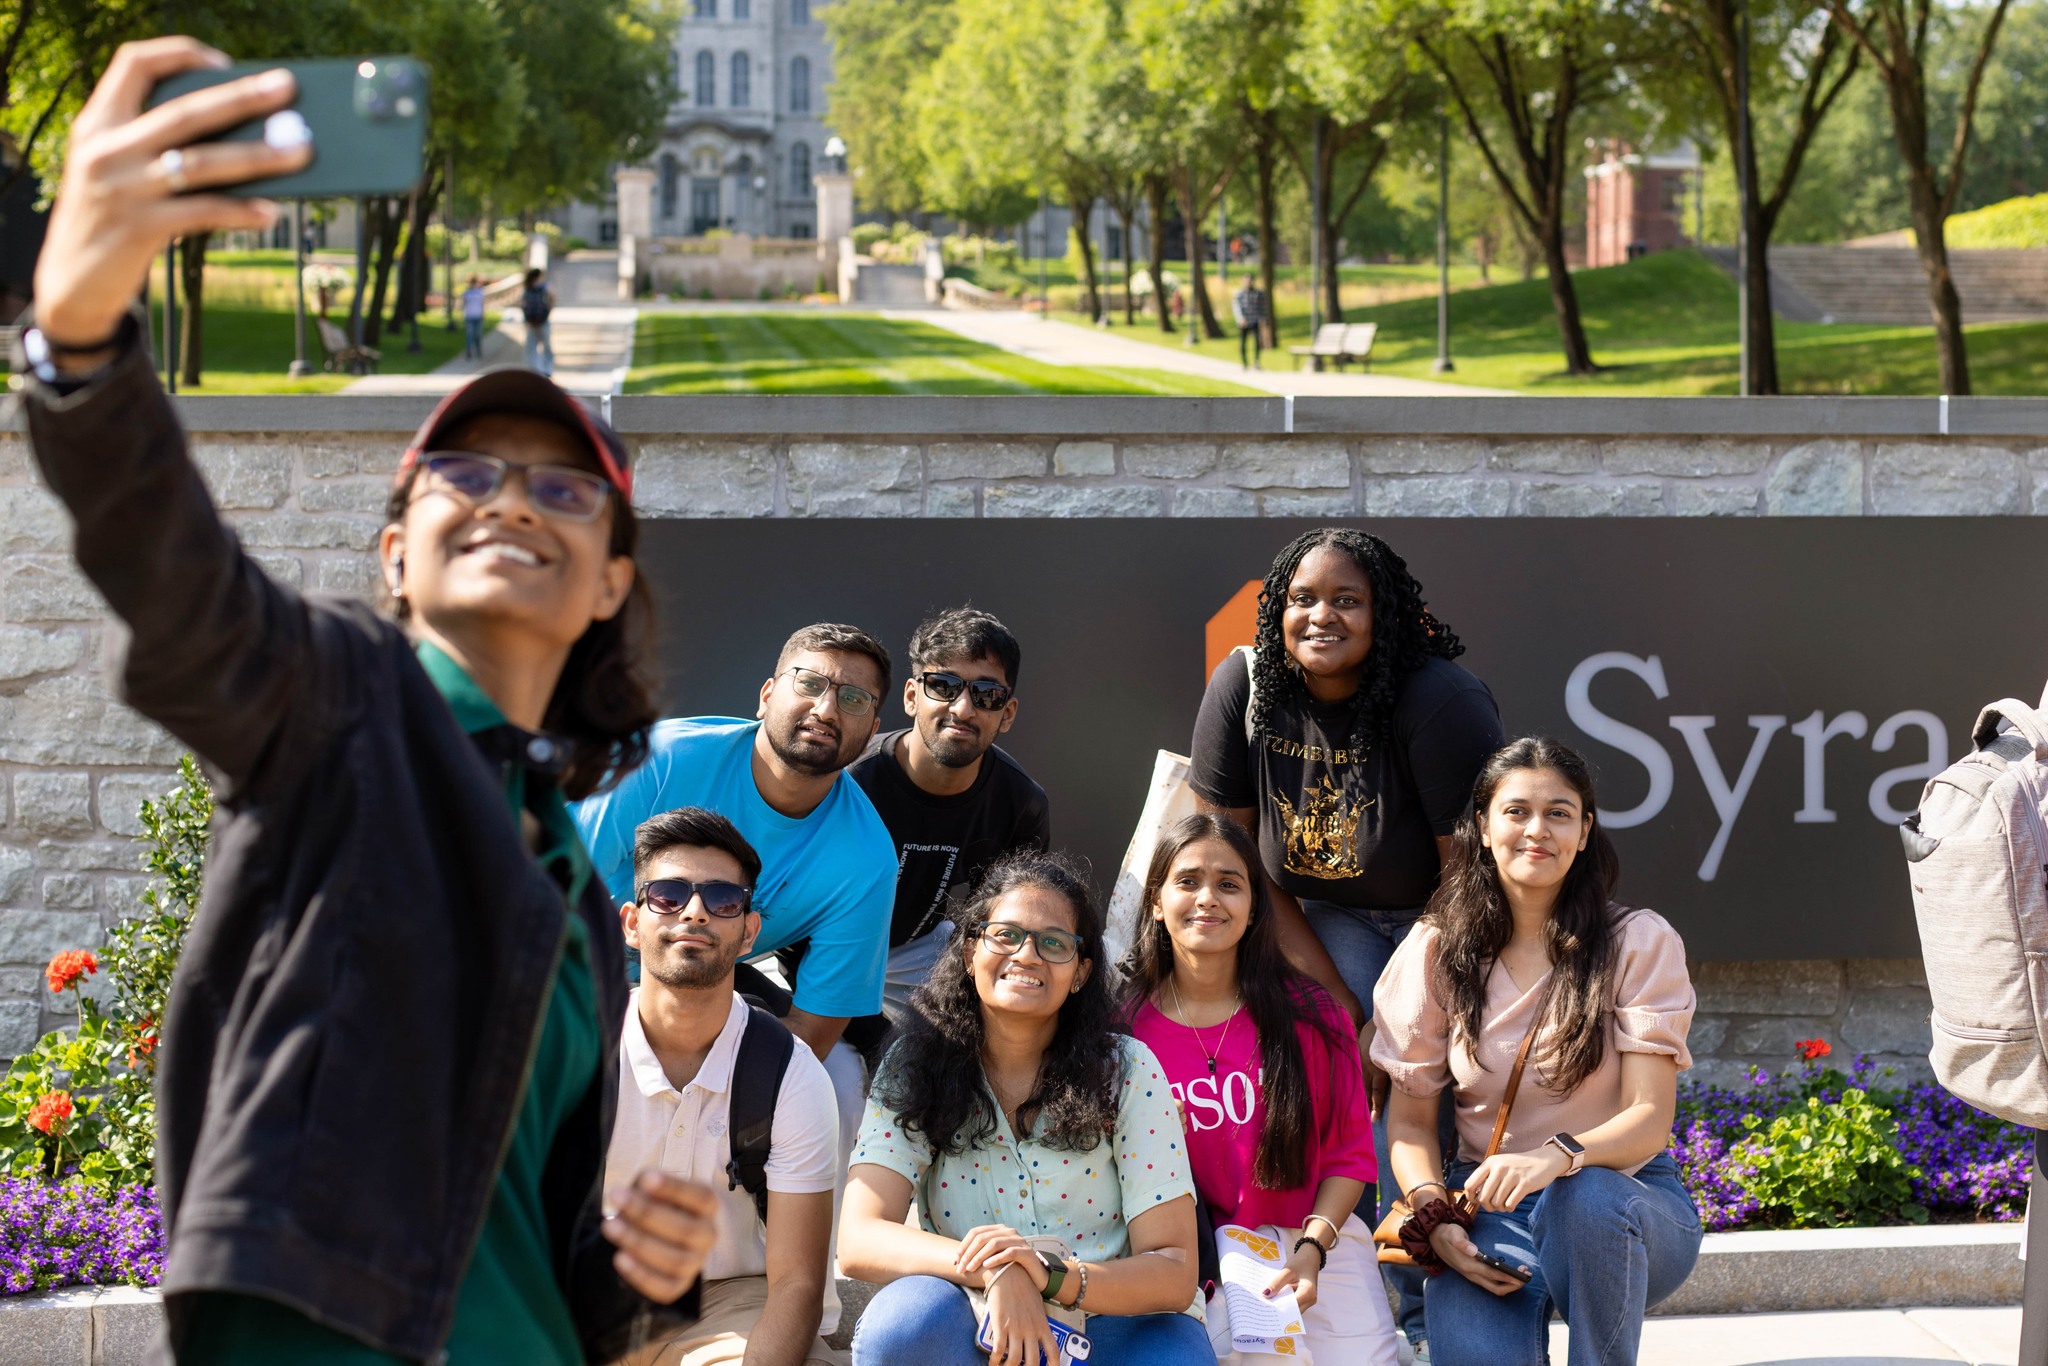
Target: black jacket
(364, 982)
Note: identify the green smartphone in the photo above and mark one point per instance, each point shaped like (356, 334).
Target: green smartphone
(367, 117)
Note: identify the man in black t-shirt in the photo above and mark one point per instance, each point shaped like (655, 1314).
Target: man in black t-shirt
(953, 802)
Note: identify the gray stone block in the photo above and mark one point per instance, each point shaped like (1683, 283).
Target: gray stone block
(123, 897)
(1438, 496)
(322, 460)
(47, 590)
(370, 497)
(849, 479)
(1066, 500)
(1209, 502)
(25, 652)
(1928, 480)
(53, 803)
(1706, 1036)
(283, 566)
(1592, 500)
(1287, 465)
(71, 720)
(1543, 457)
(15, 465)
(303, 531)
(1420, 455)
(91, 856)
(704, 479)
(68, 892)
(53, 1328)
(1724, 1074)
(1799, 986)
(127, 1323)
(950, 500)
(1709, 500)
(1888, 1020)
(1769, 1040)
(35, 937)
(21, 1024)
(1852, 1268)
(1865, 973)
(1685, 459)
(984, 460)
(1336, 503)
(245, 475)
(1169, 460)
(1084, 457)
(1817, 479)
(31, 519)
(351, 575)
(17, 872)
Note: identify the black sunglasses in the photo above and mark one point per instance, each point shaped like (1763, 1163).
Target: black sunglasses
(988, 694)
(672, 895)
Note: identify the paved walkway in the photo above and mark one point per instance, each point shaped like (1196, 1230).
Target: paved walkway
(1058, 343)
(1850, 1337)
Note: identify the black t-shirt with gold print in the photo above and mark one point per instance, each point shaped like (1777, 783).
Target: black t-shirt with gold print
(1338, 825)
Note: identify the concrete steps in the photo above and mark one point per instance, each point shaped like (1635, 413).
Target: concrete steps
(890, 287)
(1885, 285)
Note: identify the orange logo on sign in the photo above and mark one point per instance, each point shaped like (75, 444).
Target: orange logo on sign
(1236, 624)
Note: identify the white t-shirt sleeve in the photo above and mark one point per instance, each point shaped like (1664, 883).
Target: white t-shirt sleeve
(805, 1157)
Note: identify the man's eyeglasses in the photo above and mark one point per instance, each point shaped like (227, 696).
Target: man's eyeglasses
(671, 896)
(812, 684)
(988, 694)
(1054, 946)
(558, 490)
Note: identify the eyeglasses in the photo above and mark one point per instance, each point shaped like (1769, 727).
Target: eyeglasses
(812, 684)
(988, 694)
(1054, 946)
(558, 490)
(672, 895)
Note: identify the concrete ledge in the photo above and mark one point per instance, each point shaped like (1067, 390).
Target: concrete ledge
(1853, 1268)
(80, 1326)
(874, 415)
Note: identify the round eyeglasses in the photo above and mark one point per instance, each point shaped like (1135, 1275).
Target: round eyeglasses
(558, 490)
(1054, 946)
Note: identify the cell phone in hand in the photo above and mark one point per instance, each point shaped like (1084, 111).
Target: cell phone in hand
(1074, 1347)
(366, 117)
(1520, 1273)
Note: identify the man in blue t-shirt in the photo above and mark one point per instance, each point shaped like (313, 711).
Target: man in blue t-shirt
(828, 865)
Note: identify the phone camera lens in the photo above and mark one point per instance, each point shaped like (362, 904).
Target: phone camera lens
(407, 106)
(380, 107)
(400, 77)
(366, 70)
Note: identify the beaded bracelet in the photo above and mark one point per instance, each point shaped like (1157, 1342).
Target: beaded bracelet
(1322, 1253)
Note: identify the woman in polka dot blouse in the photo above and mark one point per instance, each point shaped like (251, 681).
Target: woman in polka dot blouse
(1050, 1128)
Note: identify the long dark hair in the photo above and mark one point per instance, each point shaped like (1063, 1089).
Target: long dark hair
(1278, 997)
(1473, 922)
(1404, 633)
(933, 1082)
(603, 704)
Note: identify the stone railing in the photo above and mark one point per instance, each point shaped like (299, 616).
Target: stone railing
(305, 481)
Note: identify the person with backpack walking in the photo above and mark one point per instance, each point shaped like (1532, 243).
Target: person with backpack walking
(1266, 1070)
(712, 1087)
(388, 1074)
(473, 319)
(1249, 309)
(536, 302)
(1557, 1019)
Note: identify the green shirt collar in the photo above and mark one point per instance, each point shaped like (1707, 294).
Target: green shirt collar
(473, 708)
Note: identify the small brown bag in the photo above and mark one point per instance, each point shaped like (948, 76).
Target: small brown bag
(1387, 1236)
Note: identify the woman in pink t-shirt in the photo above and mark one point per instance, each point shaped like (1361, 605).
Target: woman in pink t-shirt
(1267, 1074)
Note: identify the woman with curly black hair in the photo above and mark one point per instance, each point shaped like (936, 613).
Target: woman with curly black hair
(1051, 1179)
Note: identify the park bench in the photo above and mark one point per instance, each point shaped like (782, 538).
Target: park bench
(344, 355)
(1339, 343)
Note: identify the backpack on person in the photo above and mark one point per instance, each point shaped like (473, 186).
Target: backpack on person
(534, 305)
(1977, 850)
(763, 1057)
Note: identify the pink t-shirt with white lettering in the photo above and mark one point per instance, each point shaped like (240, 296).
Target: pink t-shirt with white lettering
(1225, 1112)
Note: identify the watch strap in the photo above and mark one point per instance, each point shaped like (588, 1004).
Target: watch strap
(1573, 1150)
(1055, 1277)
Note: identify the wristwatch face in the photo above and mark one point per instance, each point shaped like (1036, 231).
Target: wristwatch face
(1571, 1145)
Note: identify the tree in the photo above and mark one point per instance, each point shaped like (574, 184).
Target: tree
(1896, 35)
(1799, 57)
(882, 49)
(1518, 74)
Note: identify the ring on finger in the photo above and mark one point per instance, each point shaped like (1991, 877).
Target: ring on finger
(171, 164)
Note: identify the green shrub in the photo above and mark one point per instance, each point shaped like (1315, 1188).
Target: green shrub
(865, 235)
(1828, 1166)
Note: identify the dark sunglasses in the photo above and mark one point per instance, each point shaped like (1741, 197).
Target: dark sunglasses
(988, 694)
(672, 895)
(558, 490)
(1054, 946)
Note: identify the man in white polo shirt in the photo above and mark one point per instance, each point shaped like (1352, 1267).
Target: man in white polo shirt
(693, 1058)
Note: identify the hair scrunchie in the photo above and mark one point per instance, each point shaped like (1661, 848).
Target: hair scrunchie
(1428, 1219)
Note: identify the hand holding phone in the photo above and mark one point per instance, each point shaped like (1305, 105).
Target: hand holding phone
(1505, 1268)
(120, 200)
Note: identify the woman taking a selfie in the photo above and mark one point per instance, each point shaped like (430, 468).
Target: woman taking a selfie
(1267, 1074)
(1048, 1165)
(388, 1069)
(1557, 1018)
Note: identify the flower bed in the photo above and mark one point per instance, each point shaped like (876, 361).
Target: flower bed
(1817, 1147)
(74, 1233)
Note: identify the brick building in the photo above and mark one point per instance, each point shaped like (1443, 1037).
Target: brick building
(1636, 202)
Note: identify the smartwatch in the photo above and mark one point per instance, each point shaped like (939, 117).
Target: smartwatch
(1055, 1276)
(1573, 1150)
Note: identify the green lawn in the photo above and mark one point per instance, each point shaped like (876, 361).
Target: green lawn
(823, 352)
(1662, 325)
(247, 352)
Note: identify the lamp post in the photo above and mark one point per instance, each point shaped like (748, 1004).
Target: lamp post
(1316, 263)
(1443, 244)
(1744, 189)
(298, 369)
(448, 246)
(1044, 250)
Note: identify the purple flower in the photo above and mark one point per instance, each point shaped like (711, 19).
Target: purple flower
(72, 1233)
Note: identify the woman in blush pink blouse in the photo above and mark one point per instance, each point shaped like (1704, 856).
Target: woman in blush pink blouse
(1580, 1208)
(1267, 1074)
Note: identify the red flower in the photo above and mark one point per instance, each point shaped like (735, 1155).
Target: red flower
(52, 1114)
(1810, 1049)
(68, 966)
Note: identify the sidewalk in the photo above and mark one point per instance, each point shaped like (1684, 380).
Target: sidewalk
(1850, 1337)
(1058, 343)
(593, 351)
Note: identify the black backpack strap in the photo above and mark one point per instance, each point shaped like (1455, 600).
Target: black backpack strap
(764, 1053)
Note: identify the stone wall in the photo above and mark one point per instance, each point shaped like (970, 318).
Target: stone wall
(305, 479)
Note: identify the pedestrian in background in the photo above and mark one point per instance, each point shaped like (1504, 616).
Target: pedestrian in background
(536, 302)
(473, 319)
(1249, 308)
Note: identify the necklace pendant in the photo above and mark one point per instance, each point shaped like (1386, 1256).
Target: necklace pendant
(1212, 1067)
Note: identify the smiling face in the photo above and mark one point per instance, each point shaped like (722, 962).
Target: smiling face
(1206, 902)
(1326, 623)
(814, 735)
(465, 567)
(958, 733)
(1535, 826)
(1024, 984)
(695, 949)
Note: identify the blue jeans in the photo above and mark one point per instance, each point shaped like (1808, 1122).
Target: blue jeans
(1605, 1247)
(925, 1320)
(540, 350)
(473, 338)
